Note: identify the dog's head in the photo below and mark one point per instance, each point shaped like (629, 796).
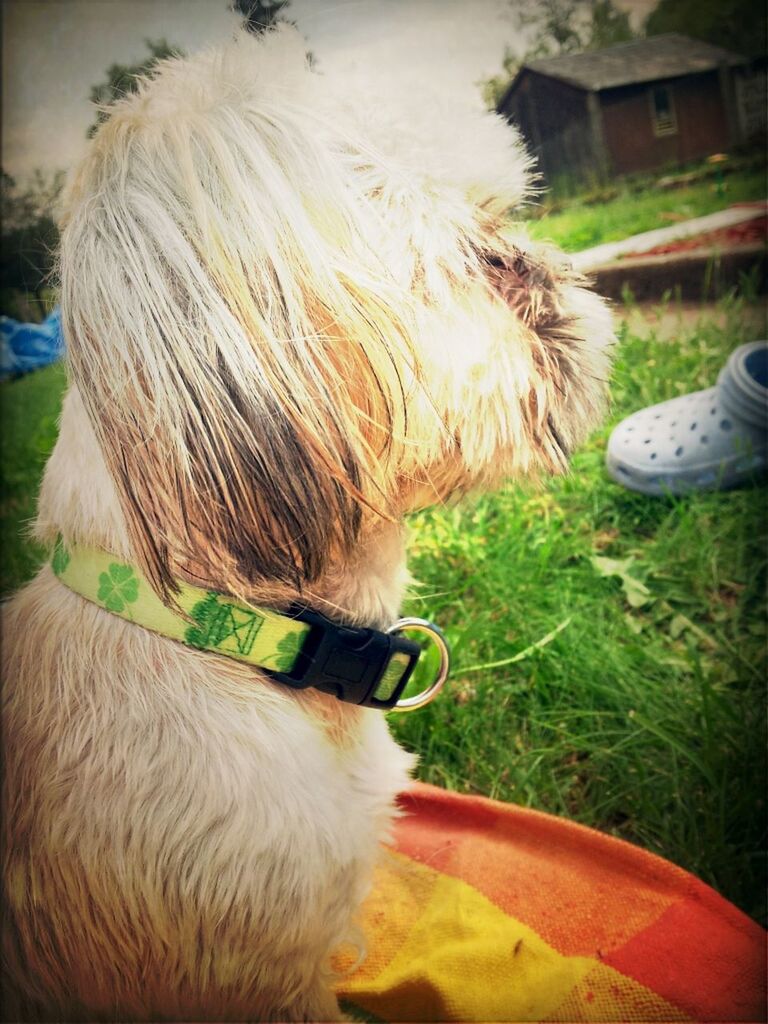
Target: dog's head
(295, 308)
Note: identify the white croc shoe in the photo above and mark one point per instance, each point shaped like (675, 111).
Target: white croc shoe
(708, 440)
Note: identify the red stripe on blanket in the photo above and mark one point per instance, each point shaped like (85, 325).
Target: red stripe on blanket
(584, 892)
(590, 894)
(711, 963)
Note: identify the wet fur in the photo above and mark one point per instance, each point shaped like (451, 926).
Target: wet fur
(295, 309)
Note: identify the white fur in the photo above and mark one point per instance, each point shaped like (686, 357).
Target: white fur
(295, 309)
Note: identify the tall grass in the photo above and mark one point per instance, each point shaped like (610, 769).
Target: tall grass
(29, 411)
(642, 712)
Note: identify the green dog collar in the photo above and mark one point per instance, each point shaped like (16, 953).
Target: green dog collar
(301, 648)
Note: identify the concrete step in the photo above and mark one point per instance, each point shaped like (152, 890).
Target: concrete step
(601, 255)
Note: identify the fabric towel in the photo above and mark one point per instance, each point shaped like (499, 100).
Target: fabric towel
(491, 912)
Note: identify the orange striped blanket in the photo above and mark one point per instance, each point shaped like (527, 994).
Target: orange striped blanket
(491, 912)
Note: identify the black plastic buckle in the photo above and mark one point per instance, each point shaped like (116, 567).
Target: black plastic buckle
(349, 662)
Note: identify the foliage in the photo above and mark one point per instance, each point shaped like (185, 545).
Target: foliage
(608, 26)
(554, 22)
(124, 78)
(29, 233)
(259, 15)
(556, 27)
(493, 88)
(736, 25)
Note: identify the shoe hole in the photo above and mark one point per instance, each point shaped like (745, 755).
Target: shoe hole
(657, 416)
(704, 439)
(693, 425)
(679, 451)
(630, 429)
(653, 455)
(725, 424)
(673, 423)
(647, 440)
(712, 412)
(756, 365)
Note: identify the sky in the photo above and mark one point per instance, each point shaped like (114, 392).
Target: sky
(53, 51)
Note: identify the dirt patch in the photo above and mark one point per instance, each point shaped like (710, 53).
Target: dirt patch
(746, 233)
(669, 321)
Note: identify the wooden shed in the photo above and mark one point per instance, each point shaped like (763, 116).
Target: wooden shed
(633, 107)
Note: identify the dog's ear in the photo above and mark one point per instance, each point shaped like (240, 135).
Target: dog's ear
(241, 461)
(239, 361)
(567, 331)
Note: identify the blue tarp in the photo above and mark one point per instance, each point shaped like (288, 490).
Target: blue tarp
(25, 347)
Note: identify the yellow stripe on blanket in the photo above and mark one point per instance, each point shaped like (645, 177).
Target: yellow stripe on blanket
(440, 950)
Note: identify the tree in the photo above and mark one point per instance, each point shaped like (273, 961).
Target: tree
(737, 25)
(554, 22)
(556, 27)
(608, 26)
(29, 234)
(493, 88)
(259, 15)
(123, 78)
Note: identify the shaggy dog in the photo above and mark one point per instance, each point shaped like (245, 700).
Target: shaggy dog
(295, 310)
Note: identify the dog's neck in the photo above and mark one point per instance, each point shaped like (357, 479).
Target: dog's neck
(78, 501)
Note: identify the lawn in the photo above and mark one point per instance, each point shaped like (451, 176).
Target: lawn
(29, 409)
(608, 647)
(584, 223)
(642, 710)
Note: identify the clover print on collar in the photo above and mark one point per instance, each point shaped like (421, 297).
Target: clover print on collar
(118, 587)
(287, 651)
(61, 558)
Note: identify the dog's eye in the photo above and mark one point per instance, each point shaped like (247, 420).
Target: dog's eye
(493, 260)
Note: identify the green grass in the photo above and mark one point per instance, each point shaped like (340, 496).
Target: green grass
(646, 720)
(641, 712)
(584, 224)
(29, 411)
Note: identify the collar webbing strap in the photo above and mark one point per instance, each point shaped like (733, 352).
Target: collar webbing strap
(300, 649)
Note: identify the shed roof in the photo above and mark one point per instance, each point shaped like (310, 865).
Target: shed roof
(642, 60)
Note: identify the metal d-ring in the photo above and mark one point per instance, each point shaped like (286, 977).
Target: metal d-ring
(422, 626)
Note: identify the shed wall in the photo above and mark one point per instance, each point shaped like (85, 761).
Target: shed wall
(702, 124)
(554, 120)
